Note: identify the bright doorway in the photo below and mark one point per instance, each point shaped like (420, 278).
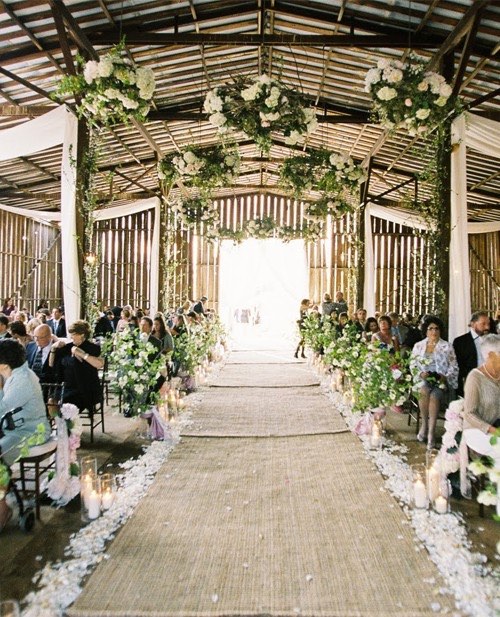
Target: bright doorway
(261, 285)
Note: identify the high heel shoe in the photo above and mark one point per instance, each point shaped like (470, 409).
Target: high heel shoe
(303, 355)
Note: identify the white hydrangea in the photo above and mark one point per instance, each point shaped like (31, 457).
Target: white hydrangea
(105, 66)
(145, 80)
(213, 102)
(294, 138)
(423, 114)
(217, 119)
(393, 75)
(372, 77)
(251, 93)
(91, 71)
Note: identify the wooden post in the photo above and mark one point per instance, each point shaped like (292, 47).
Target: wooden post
(82, 183)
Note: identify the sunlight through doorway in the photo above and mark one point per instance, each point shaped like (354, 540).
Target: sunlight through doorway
(261, 285)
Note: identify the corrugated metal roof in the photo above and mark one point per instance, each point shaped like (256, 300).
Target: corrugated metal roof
(329, 70)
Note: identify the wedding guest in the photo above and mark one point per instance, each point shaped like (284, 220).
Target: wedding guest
(162, 333)
(303, 311)
(199, 307)
(9, 307)
(468, 347)
(20, 389)
(125, 315)
(398, 329)
(360, 320)
(32, 324)
(18, 332)
(434, 366)
(38, 353)
(146, 328)
(340, 305)
(4, 327)
(384, 338)
(104, 325)
(57, 323)
(327, 305)
(76, 364)
(371, 327)
(482, 399)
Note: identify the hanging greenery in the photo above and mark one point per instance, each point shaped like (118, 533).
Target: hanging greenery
(192, 211)
(332, 173)
(257, 106)
(204, 168)
(407, 96)
(111, 90)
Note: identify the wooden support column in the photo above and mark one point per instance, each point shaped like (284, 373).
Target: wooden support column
(83, 181)
(443, 166)
(360, 300)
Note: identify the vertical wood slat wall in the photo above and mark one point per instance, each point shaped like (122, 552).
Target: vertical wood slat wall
(30, 261)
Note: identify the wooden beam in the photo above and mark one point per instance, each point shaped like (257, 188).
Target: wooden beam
(25, 83)
(63, 39)
(136, 37)
(457, 34)
(466, 53)
(76, 32)
(25, 110)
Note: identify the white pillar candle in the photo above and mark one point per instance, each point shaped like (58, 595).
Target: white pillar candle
(93, 505)
(107, 499)
(433, 483)
(441, 505)
(419, 494)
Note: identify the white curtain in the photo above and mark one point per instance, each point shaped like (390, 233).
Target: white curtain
(53, 128)
(483, 136)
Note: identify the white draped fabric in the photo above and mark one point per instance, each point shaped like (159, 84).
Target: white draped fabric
(56, 127)
(478, 134)
(36, 135)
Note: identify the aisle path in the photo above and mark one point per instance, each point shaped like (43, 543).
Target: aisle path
(267, 507)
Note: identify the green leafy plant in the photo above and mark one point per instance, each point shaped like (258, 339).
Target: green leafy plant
(257, 106)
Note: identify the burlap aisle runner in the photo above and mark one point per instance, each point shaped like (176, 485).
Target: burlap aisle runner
(279, 526)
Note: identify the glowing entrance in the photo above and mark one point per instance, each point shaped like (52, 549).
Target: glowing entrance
(261, 285)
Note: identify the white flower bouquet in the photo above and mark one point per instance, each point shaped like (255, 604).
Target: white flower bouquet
(195, 210)
(407, 96)
(205, 168)
(261, 228)
(257, 106)
(112, 90)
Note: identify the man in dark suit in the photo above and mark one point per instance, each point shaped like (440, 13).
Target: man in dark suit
(468, 347)
(38, 353)
(4, 324)
(199, 307)
(58, 324)
(146, 327)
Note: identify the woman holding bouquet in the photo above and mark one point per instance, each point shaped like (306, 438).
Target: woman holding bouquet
(435, 373)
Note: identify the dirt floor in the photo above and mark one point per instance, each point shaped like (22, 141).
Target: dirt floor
(23, 554)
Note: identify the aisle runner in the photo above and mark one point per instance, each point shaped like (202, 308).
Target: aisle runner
(278, 526)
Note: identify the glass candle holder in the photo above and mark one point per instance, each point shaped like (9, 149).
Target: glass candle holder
(434, 475)
(90, 498)
(88, 466)
(377, 435)
(441, 503)
(108, 490)
(418, 487)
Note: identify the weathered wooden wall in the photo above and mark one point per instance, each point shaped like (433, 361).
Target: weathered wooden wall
(30, 261)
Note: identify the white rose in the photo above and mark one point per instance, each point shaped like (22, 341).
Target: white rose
(408, 102)
(90, 71)
(384, 63)
(393, 76)
(423, 86)
(441, 101)
(372, 77)
(386, 93)
(423, 113)
(213, 102)
(190, 157)
(217, 119)
(129, 103)
(445, 91)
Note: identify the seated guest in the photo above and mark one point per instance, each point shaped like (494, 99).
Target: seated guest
(57, 323)
(384, 338)
(398, 329)
(468, 347)
(4, 327)
(435, 371)
(482, 399)
(340, 305)
(104, 325)
(18, 332)
(371, 326)
(327, 305)
(200, 306)
(412, 336)
(77, 365)
(32, 325)
(20, 389)
(9, 307)
(360, 321)
(162, 333)
(125, 316)
(38, 354)
(146, 328)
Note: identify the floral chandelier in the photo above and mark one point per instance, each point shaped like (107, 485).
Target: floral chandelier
(257, 106)
(406, 96)
(112, 90)
(204, 168)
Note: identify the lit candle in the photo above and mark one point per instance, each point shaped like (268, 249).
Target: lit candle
(86, 488)
(107, 499)
(433, 483)
(93, 505)
(441, 505)
(376, 437)
(420, 494)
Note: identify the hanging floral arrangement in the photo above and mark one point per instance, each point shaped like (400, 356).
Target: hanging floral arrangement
(204, 168)
(406, 96)
(195, 210)
(112, 90)
(311, 231)
(257, 106)
(260, 228)
(321, 170)
(318, 210)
